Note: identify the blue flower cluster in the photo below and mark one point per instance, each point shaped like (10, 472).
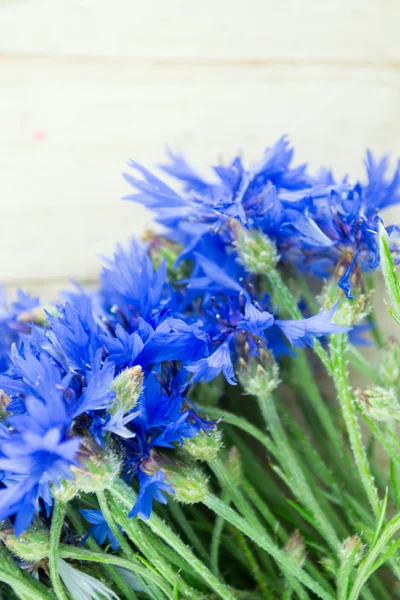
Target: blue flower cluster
(115, 366)
(319, 224)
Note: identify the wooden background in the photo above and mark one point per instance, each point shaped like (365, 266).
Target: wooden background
(88, 84)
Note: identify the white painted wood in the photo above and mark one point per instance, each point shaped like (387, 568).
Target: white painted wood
(86, 85)
(338, 30)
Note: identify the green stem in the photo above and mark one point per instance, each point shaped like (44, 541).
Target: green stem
(384, 436)
(340, 376)
(216, 540)
(133, 529)
(57, 521)
(294, 471)
(265, 542)
(241, 423)
(254, 567)
(310, 388)
(75, 553)
(22, 588)
(366, 566)
(77, 523)
(183, 522)
(121, 492)
(287, 300)
(107, 514)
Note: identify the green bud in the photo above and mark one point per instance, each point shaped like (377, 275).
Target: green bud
(259, 375)
(204, 446)
(295, 549)
(330, 566)
(234, 465)
(380, 403)
(65, 490)
(256, 251)
(389, 364)
(161, 249)
(97, 470)
(350, 545)
(31, 546)
(4, 402)
(349, 312)
(127, 387)
(189, 482)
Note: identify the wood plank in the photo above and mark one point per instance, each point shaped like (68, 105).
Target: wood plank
(258, 30)
(68, 128)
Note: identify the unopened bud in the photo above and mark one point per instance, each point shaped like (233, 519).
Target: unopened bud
(4, 402)
(379, 403)
(97, 470)
(234, 466)
(295, 549)
(330, 566)
(189, 482)
(127, 387)
(65, 490)
(349, 546)
(349, 312)
(389, 364)
(204, 446)
(259, 375)
(31, 546)
(256, 251)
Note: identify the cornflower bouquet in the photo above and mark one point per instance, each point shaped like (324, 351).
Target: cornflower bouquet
(189, 430)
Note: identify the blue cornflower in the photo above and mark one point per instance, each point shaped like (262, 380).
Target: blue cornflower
(235, 325)
(99, 530)
(31, 461)
(130, 287)
(152, 487)
(15, 319)
(321, 225)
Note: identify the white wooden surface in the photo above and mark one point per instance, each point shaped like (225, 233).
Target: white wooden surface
(87, 84)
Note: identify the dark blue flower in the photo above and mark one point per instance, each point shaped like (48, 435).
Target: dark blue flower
(152, 487)
(99, 530)
(321, 225)
(299, 332)
(220, 361)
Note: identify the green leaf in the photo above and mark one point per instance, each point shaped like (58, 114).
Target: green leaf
(176, 590)
(345, 573)
(389, 269)
(381, 519)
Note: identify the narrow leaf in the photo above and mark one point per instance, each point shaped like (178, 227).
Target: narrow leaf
(389, 269)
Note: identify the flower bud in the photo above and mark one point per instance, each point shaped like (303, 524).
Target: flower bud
(259, 375)
(97, 470)
(295, 549)
(65, 490)
(31, 546)
(348, 547)
(389, 364)
(379, 403)
(234, 466)
(349, 312)
(189, 482)
(204, 446)
(4, 402)
(256, 251)
(127, 387)
(330, 565)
